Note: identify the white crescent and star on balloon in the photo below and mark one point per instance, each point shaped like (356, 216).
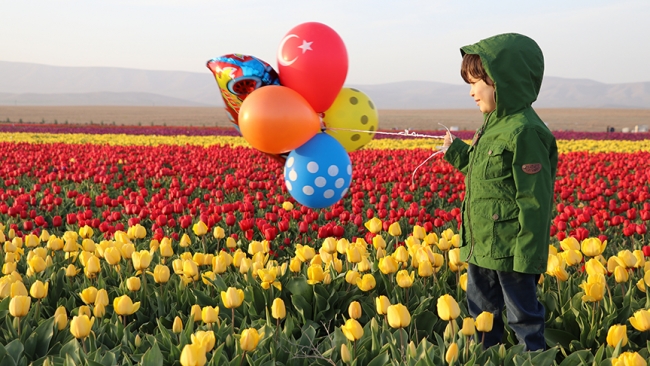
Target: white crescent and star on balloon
(305, 46)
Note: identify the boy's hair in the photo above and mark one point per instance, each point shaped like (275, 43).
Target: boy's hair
(473, 66)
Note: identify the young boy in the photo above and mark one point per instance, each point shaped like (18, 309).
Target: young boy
(509, 170)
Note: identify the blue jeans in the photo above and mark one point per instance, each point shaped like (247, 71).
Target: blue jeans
(489, 290)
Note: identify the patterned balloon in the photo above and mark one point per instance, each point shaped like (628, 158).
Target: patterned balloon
(351, 110)
(239, 75)
(318, 173)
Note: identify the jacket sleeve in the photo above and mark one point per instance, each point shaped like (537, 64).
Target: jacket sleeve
(533, 171)
(458, 155)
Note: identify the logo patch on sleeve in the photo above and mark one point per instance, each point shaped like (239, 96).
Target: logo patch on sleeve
(531, 168)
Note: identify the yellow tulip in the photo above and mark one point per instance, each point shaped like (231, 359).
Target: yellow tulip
(198, 258)
(342, 245)
(570, 243)
(177, 326)
(401, 254)
(86, 232)
(352, 330)
(398, 316)
(592, 247)
(54, 243)
(468, 328)
(351, 277)
(627, 257)
(18, 289)
(190, 269)
(124, 306)
(484, 321)
(444, 244)
(61, 317)
(354, 310)
(594, 291)
(646, 278)
(232, 298)
(455, 262)
(354, 253)
(641, 320)
(278, 309)
(92, 267)
(193, 355)
(133, 283)
(379, 243)
(556, 267)
(629, 359)
(210, 315)
(112, 255)
(617, 333)
(245, 265)
(572, 257)
(99, 311)
(88, 295)
(381, 304)
(364, 265)
(206, 339)
(463, 281)
(419, 232)
(208, 277)
(593, 266)
(315, 274)
(38, 289)
(200, 228)
(37, 264)
(166, 249)
(388, 265)
(101, 297)
(84, 310)
(19, 305)
(640, 285)
(231, 243)
(88, 245)
(394, 229)
(161, 273)
(141, 260)
(71, 270)
(195, 313)
(620, 274)
(304, 252)
(31, 241)
(8, 267)
(640, 258)
(452, 353)
(287, 206)
(448, 308)
(249, 339)
(80, 326)
(373, 225)
(185, 241)
(404, 279)
(367, 282)
(219, 264)
(345, 354)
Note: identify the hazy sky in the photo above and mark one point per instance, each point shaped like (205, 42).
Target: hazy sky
(386, 41)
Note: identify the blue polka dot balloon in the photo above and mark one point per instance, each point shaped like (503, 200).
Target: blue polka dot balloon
(318, 173)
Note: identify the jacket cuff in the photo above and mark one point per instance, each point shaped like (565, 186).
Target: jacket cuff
(454, 153)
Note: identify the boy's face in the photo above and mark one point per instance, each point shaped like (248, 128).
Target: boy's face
(482, 93)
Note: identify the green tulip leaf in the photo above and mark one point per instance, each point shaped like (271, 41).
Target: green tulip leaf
(582, 357)
(153, 356)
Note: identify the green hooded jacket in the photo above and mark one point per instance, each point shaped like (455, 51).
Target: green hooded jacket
(510, 166)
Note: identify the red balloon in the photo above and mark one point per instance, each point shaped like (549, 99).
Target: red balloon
(276, 119)
(313, 61)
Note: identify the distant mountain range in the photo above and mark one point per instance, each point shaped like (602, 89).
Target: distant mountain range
(34, 84)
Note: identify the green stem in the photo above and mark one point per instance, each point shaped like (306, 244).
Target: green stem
(242, 358)
(233, 323)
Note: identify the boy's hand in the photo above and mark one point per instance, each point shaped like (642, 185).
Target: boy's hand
(449, 138)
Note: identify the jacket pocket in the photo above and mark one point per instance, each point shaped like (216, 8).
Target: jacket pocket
(495, 163)
(505, 229)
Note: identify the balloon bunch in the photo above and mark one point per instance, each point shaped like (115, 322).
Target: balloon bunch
(302, 110)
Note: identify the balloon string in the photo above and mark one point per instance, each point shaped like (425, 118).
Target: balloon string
(401, 133)
(418, 167)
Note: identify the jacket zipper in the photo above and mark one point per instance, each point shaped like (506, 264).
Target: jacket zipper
(469, 178)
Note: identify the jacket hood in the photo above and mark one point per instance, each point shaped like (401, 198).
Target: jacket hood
(516, 65)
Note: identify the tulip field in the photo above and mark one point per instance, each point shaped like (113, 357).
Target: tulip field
(183, 247)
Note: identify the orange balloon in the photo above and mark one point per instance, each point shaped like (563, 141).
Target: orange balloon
(276, 119)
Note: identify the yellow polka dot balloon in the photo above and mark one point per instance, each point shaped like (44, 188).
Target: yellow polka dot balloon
(351, 110)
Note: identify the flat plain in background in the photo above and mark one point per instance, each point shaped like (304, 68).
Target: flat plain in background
(559, 119)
